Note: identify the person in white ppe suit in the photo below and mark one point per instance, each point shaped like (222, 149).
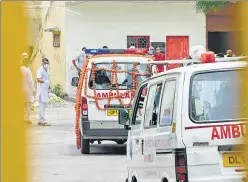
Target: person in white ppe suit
(43, 83)
(28, 87)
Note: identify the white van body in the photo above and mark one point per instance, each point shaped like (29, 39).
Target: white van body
(95, 124)
(191, 143)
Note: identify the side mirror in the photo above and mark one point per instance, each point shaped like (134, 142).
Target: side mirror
(124, 117)
(74, 81)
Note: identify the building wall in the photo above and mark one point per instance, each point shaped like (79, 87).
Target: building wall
(95, 24)
(54, 18)
(33, 15)
(222, 21)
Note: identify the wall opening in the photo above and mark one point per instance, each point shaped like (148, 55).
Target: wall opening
(220, 42)
(56, 40)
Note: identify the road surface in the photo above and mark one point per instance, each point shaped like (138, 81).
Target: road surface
(54, 157)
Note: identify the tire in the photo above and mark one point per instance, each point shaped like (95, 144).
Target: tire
(134, 179)
(85, 145)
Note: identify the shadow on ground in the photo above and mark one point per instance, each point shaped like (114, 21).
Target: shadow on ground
(102, 149)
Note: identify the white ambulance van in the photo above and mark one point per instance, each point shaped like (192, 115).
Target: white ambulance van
(104, 92)
(190, 128)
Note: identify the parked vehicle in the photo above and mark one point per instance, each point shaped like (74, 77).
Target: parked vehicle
(185, 124)
(108, 84)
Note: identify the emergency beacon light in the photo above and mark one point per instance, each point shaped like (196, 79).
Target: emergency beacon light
(208, 57)
(116, 51)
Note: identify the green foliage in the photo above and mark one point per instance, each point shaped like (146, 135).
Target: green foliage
(202, 6)
(57, 90)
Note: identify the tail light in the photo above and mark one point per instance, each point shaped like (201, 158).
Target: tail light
(84, 106)
(181, 166)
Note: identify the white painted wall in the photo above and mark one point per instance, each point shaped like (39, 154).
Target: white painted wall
(109, 23)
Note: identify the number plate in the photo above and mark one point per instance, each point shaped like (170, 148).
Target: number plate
(112, 112)
(233, 160)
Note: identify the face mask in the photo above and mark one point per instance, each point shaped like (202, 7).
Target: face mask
(83, 52)
(46, 66)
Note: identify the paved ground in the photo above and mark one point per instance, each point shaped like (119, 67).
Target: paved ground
(54, 157)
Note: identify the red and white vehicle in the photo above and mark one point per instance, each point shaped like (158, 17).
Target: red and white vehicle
(105, 91)
(191, 128)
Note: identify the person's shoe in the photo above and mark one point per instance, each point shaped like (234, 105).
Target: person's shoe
(45, 124)
(39, 123)
(28, 122)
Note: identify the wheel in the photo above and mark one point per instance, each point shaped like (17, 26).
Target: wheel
(85, 145)
(134, 179)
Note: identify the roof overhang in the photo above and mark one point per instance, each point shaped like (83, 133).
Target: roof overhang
(55, 29)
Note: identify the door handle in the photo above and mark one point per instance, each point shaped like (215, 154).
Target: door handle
(142, 146)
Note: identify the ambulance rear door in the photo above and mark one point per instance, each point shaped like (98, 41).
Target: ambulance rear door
(101, 88)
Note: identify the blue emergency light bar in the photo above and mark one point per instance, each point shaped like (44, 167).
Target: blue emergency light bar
(116, 51)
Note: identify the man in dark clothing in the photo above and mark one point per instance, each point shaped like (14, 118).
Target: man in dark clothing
(158, 56)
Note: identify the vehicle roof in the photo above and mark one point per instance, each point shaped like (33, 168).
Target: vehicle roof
(204, 67)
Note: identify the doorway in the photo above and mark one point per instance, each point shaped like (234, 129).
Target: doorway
(220, 42)
(177, 47)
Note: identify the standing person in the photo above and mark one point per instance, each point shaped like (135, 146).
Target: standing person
(158, 56)
(43, 82)
(28, 87)
(80, 59)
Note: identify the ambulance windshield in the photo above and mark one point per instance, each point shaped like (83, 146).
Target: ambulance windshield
(103, 78)
(214, 96)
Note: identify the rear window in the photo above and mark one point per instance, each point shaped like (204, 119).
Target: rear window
(124, 80)
(214, 97)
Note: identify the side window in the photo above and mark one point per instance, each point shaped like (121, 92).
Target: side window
(152, 108)
(140, 109)
(167, 107)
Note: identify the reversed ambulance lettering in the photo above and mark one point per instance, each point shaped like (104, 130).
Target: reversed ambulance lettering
(123, 95)
(229, 131)
(167, 142)
(149, 158)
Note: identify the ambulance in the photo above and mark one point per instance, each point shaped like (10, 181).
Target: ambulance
(108, 80)
(190, 128)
